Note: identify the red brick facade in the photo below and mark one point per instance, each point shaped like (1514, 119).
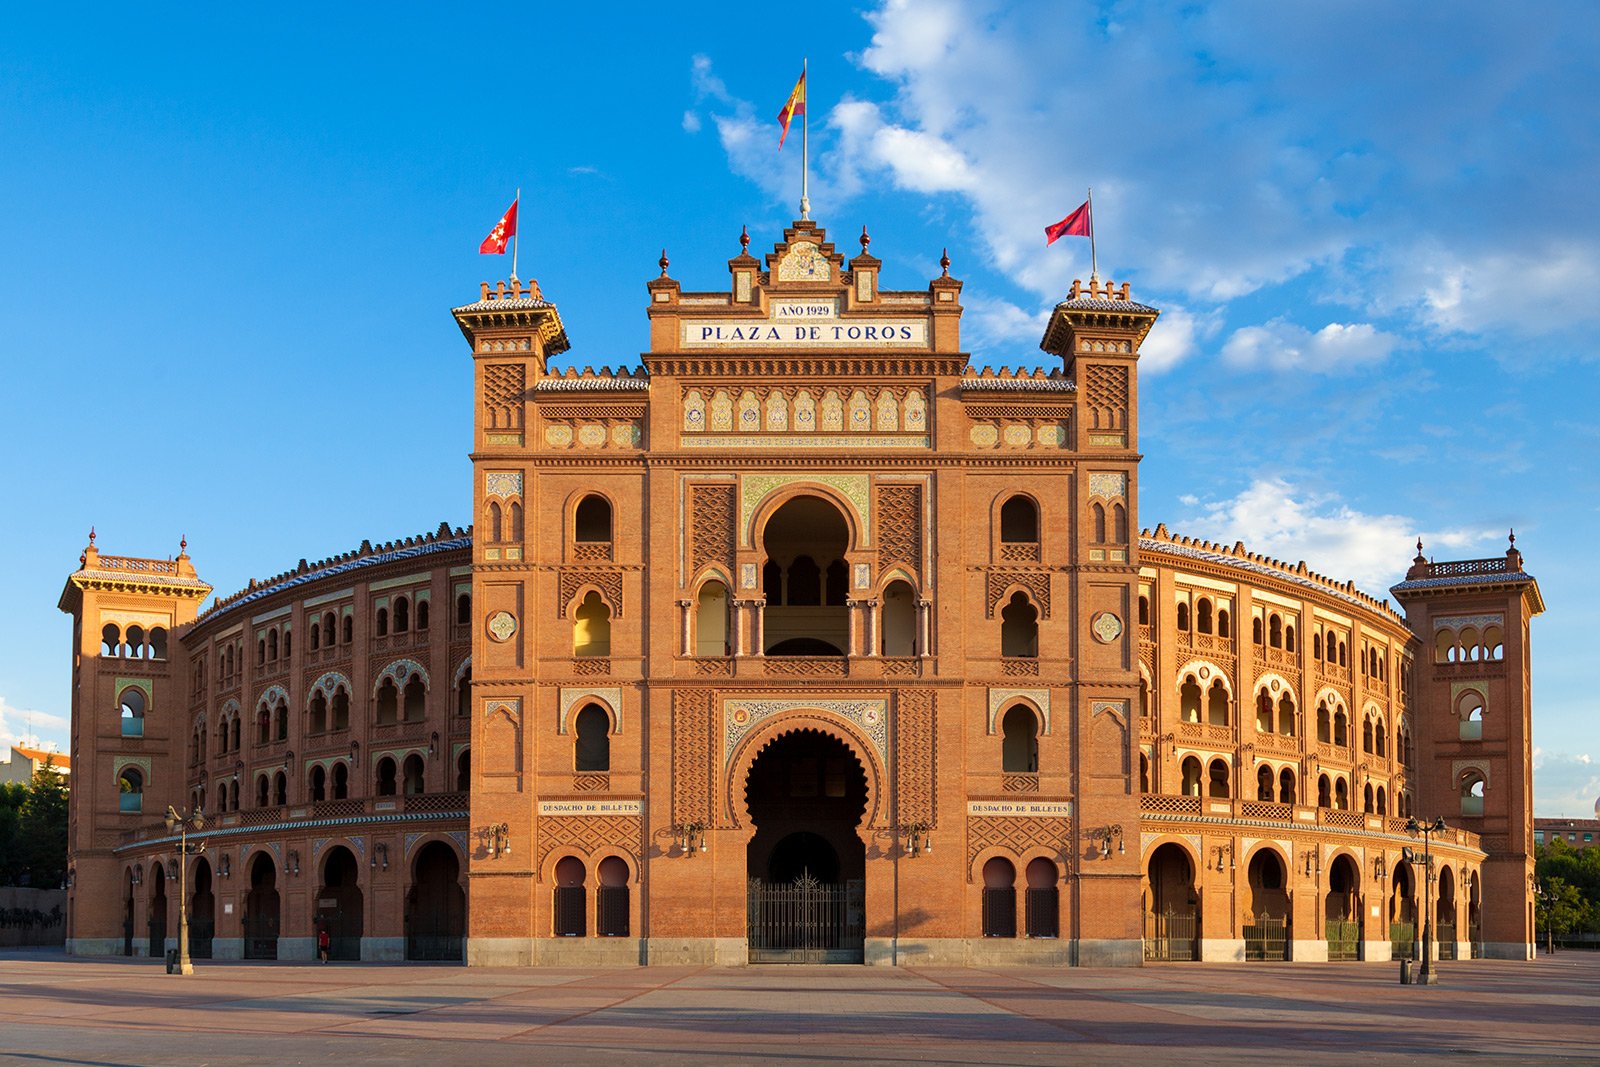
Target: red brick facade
(808, 600)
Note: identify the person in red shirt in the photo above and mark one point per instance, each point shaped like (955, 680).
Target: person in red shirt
(324, 942)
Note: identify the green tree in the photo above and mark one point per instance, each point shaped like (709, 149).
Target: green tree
(12, 794)
(43, 827)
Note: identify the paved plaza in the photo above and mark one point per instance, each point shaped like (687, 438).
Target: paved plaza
(58, 1010)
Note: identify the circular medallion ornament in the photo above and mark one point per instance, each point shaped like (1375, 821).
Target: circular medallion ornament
(1106, 627)
(502, 624)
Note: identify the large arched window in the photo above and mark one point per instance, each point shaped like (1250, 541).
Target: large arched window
(591, 521)
(1218, 775)
(1202, 615)
(132, 708)
(1019, 741)
(110, 640)
(1019, 627)
(591, 627)
(385, 779)
(593, 749)
(805, 579)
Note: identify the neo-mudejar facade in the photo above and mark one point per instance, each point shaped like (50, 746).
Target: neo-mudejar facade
(808, 639)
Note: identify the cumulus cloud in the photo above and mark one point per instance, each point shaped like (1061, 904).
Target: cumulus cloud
(1177, 335)
(1281, 345)
(1275, 517)
(31, 728)
(1565, 786)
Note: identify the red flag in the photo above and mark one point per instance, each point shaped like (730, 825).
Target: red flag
(1077, 224)
(504, 230)
(795, 105)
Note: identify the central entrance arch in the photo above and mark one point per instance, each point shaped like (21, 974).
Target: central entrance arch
(806, 794)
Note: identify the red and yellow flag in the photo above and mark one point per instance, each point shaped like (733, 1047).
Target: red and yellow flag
(796, 105)
(504, 230)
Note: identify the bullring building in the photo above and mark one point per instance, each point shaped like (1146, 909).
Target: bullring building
(812, 638)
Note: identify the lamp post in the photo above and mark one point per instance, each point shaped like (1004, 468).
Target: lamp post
(1427, 830)
(193, 819)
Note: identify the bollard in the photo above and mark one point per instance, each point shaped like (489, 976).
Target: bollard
(1405, 971)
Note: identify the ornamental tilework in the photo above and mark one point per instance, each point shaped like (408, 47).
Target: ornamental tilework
(399, 672)
(502, 483)
(330, 683)
(853, 487)
(612, 697)
(1110, 485)
(739, 717)
(1039, 697)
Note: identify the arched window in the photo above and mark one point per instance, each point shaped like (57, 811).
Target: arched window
(402, 615)
(158, 643)
(591, 627)
(1473, 787)
(1202, 615)
(1265, 717)
(611, 898)
(1380, 734)
(280, 718)
(1019, 521)
(383, 622)
(1342, 651)
(1218, 774)
(280, 789)
(388, 703)
(464, 609)
(1191, 776)
(999, 898)
(1316, 645)
(593, 749)
(385, 778)
(805, 583)
(288, 642)
(1324, 724)
(132, 709)
(1367, 799)
(415, 707)
(412, 775)
(591, 521)
(1224, 623)
(899, 629)
(1341, 730)
(1255, 630)
(1275, 631)
(1019, 627)
(1324, 792)
(1286, 786)
(263, 791)
(1189, 699)
(496, 523)
(422, 614)
(1264, 784)
(130, 789)
(464, 693)
(1119, 523)
(319, 784)
(110, 640)
(1217, 704)
(1288, 637)
(1341, 794)
(1286, 715)
(1097, 518)
(1019, 744)
(261, 652)
(1144, 610)
(133, 643)
(514, 520)
(272, 646)
(349, 630)
(319, 713)
(1183, 615)
(1469, 708)
(571, 918)
(316, 634)
(235, 731)
(330, 631)
(341, 709)
(1366, 736)
(711, 620)
(341, 780)
(772, 583)
(1383, 801)
(1144, 773)
(464, 770)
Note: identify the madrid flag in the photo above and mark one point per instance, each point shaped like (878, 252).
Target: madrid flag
(1077, 224)
(504, 230)
(795, 105)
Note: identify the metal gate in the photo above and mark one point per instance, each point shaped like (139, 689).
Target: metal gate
(1344, 939)
(1266, 939)
(1403, 941)
(1445, 938)
(1170, 936)
(806, 921)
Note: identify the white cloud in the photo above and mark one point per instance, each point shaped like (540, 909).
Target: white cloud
(1175, 337)
(1278, 519)
(691, 122)
(1521, 292)
(1281, 345)
(31, 728)
(990, 322)
(1565, 786)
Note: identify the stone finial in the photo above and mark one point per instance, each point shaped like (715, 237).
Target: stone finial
(91, 535)
(183, 544)
(744, 241)
(944, 263)
(866, 239)
(663, 262)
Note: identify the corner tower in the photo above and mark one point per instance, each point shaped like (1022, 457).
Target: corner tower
(1473, 706)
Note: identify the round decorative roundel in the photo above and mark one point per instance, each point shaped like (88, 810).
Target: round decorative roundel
(502, 624)
(1106, 627)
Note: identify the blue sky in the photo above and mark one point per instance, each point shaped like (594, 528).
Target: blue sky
(232, 240)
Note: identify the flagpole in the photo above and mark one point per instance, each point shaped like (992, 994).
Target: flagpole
(805, 147)
(518, 202)
(1094, 261)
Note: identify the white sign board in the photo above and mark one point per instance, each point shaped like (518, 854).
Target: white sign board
(804, 324)
(591, 807)
(1027, 809)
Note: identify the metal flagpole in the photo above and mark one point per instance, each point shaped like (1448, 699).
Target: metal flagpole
(518, 202)
(1094, 261)
(805, 147)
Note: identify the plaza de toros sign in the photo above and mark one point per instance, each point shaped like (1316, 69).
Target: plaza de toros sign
(804, 324)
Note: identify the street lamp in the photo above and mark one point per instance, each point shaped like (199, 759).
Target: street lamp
(194, 819)
(1427, 830)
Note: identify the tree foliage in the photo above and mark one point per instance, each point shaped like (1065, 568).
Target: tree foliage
(1569, 881)
(33, 830)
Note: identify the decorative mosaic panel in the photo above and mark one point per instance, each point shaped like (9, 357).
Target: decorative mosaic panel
(1456, 622)
(612, 698)
(588, 834)
(504, 386)
(916, 763)
(399, 672)
(756, 487)
(712, 518)
(899, 521)
(691, 756)
(1106, 397)
(608, 582)
(1109, 485)
(739, 717)
(1037, 584)
(502, 483)
(275, 694)
(512, 707)
(1015, 836)
(1040, 698)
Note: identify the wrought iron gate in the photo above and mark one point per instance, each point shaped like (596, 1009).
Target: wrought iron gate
(1265, 939)
(1403, 941)
(1169, 936)
(1445, 938)
(806, 921)
(1344, 939)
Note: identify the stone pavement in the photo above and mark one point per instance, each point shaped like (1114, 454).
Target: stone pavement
(60, 1010)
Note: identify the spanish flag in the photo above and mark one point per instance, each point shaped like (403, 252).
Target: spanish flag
(795, 106)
